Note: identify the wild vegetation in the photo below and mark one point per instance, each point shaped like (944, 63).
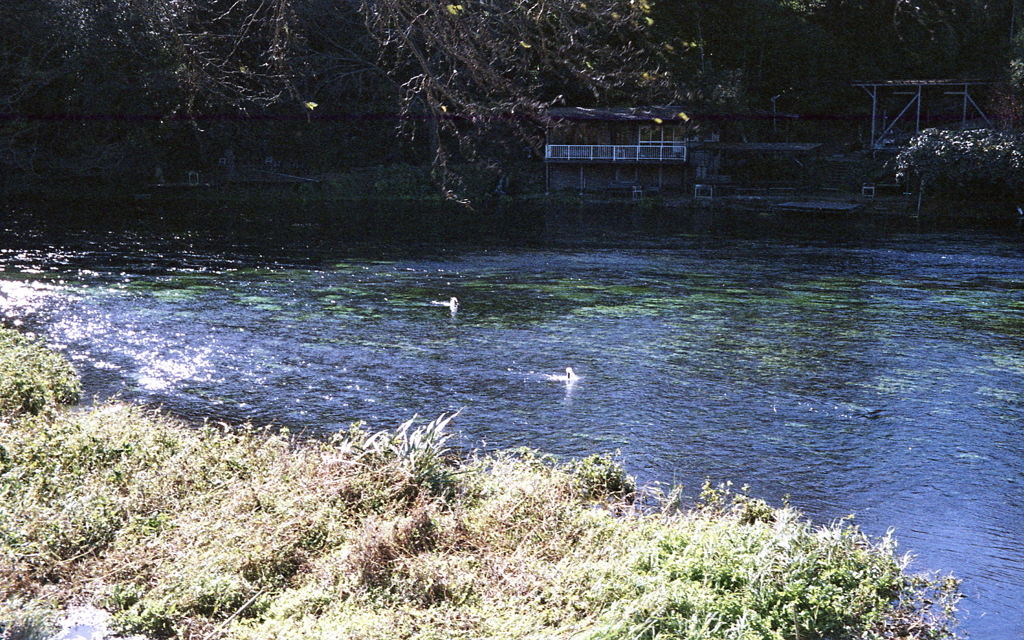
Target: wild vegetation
(216, 532)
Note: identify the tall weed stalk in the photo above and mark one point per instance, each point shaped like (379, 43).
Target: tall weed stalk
(421, 451)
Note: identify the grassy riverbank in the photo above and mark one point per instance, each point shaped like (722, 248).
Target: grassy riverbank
(247, 533)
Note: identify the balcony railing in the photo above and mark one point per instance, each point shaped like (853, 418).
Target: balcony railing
(644, 152)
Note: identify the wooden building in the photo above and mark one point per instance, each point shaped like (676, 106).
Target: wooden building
(649, 149)
(634, 150)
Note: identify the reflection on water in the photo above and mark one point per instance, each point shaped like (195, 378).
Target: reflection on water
(882, 379)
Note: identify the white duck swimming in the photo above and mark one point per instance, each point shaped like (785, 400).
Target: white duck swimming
(569, 377)
(452, 304)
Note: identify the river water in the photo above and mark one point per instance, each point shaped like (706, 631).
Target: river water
(881, 377)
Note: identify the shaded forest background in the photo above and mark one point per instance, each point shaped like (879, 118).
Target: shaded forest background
(115, 92)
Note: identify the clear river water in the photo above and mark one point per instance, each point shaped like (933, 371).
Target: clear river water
(881, 377)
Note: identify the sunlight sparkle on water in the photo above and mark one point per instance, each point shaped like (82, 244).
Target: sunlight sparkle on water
(19, 300)
(156, 372)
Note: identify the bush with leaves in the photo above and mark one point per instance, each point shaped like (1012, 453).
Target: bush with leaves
(965, 162)
(33, 378)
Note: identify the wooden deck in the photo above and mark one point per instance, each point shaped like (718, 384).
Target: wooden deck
(823, 206)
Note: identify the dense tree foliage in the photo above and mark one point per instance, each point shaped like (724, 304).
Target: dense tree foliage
(113, 88)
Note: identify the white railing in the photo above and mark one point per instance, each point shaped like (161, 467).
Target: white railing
(657, 152)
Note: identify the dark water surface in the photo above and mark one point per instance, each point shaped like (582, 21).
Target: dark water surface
(882, 378)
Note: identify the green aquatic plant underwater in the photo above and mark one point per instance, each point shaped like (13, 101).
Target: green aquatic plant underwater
(211, 531)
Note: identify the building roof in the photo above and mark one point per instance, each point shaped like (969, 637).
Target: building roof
(670, 114)
(918, 83)
(756, 147)
(676, 114)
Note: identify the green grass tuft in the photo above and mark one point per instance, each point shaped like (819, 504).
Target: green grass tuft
(20, 620)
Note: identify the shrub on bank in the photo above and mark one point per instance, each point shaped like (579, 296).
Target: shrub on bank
(965, 163)
(247, 533)
(32, 377)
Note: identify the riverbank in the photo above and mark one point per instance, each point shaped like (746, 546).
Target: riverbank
(212, 531)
